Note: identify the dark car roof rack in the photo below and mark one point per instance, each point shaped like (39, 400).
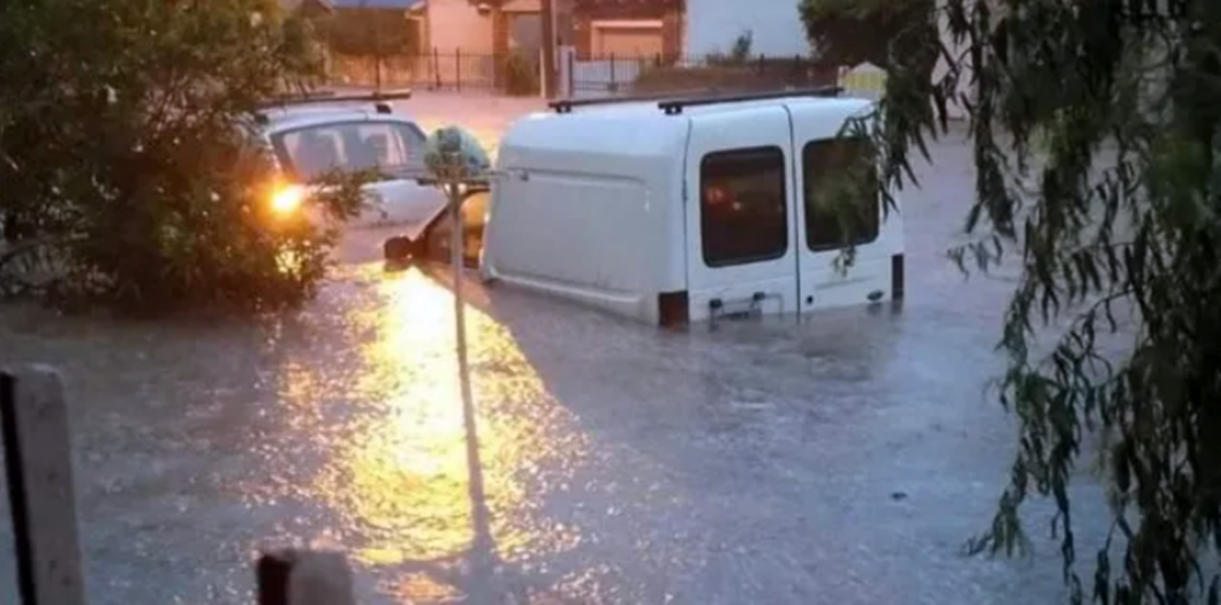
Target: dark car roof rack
(673, 106)
(377, 97)
(329, 96)
(567, 105)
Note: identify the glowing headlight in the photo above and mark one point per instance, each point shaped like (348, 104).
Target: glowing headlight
(287, 200)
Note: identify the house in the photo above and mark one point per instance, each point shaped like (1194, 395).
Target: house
(628, 28)
(685, 28)
(447, 43)
(466, 27)
(475, 39)
(491, 27)
(617, 42)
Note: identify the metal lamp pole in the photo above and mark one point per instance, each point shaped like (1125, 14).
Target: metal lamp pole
(455, 190)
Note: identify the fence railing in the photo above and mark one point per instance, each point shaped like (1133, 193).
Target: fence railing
(611, 74)
(588, 76)
(450, 70)
(38, 468)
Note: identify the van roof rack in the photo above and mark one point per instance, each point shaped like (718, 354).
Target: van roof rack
(672, 105)
(675, 106)
(566, 105)
(329, 96)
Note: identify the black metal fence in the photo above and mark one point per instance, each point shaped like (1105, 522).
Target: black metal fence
(579, 76)
(451, 70)
(599, 75)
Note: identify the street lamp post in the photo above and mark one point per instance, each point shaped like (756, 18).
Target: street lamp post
(457, 192)
(457, 164)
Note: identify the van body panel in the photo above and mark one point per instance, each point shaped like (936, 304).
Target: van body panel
(627, 304)
(733, 161)
(821, 285)
(580, 229)
(587, 221)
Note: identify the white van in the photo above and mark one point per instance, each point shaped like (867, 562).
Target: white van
(685, 210)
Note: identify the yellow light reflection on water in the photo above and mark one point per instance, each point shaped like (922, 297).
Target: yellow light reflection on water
(398, 471)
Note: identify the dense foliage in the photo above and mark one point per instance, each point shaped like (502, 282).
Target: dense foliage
(851, 32)
(130, 178)
(1113, 335)
(368, 32)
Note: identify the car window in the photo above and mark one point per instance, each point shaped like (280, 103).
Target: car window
(743, 216)
(822, 162)
(308, 153)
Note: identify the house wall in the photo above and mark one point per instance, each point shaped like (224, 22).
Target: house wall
(561, 12)
(713, 25)
(585, 22)
(455, 25)
(521, 6)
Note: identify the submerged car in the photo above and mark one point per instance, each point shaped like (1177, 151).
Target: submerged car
(315, 135)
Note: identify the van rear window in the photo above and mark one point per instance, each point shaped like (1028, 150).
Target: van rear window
(836, 172)
(742, 206)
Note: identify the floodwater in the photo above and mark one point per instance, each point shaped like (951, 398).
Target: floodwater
(570, 457)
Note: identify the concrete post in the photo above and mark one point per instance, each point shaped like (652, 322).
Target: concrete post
(38, 464)
(303, 577)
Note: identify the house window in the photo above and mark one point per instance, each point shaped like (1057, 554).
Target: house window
(826, 226)
(743, 218)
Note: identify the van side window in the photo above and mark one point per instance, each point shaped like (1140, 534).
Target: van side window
(822, 161)
(742, 206)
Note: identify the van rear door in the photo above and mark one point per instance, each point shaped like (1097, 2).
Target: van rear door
(820, 155)
(740, 214)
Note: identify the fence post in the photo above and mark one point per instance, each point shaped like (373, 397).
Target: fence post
(303, 577)
(543, 84)
(571, 58)
(458, 68)
(614, 87)
(38, 464)
(436, 67)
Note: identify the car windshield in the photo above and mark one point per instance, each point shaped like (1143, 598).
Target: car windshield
(310, 152)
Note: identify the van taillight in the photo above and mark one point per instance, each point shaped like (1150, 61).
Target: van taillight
(896, 277)
(672, 308)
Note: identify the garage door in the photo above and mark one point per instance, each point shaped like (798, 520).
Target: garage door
(629, 41)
